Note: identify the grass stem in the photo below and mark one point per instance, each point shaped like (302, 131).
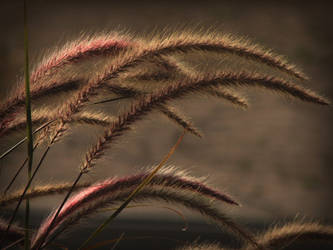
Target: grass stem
(29, 123)
(24, 139)
(118, 240)
(25, 191)
(18, 172)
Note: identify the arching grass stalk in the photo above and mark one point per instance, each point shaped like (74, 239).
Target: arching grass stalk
(291, 234)
(132, 195)
(43, 115)
(131, 58)
(29, 125)
(164, 186)
(71, 53)
(40, 191)
(170, 112)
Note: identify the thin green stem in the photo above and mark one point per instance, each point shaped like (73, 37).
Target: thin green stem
(29, 183)
(59, 210)
(13, 244)
(112, 99)
(118, 240)
(25, 191)
(24, 139)
(108, 242)
(29, 123)
(18, 172)
(132, 195)
(26, 224)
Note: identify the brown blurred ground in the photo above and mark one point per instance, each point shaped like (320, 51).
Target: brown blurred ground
(275, 158)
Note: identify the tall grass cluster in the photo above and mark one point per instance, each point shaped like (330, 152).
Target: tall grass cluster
(151, 72)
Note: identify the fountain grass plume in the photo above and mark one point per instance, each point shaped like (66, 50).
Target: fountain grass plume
(228, 95)
(194, 195)
(71, 53)
(282, 237)
(179, 90)
(170, 44)
(174, 115)
(168, 69)
(204, 246)
(82, 48)
(39, 191)
(181, 42)
(295, 233)
(130, 59)
(41, 116)
(243, 79)
(170, 112)
(209, 40)
(169, 176)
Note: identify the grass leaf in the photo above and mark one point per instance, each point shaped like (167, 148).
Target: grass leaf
(29, 124)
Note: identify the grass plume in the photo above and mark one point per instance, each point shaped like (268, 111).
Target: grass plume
(170, 177)
(187, 40)
(73, 52)
(294, 233)
(231, 96)
(43, 116)
(207, 246)
(170, 112)
(176, 42)
(179, 90)
(39, 191)
(228, 79)
(111, 191)
(132, 57)
(174, 115)
(169, 66)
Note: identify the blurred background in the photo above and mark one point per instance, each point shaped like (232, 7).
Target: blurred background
(274, 158)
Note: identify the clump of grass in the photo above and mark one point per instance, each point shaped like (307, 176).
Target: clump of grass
(120, 76)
